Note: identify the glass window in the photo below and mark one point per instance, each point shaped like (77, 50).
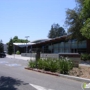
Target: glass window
(56, 45)
(61, 50)
(55, 50)
(61, 45)
(49, 47)
(67, 44)
(74, 44)
(82, 44)
(67, 50)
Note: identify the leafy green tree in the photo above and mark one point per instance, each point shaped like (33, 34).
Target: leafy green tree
(85, 15)
(17, 40)
(10, 47)
(1, 47)
(74, 22)
(51, 33)
(86, 29)
(86, 10)
(56, 31)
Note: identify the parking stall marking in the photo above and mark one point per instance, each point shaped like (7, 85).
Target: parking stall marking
(3, 62)
(12, 65)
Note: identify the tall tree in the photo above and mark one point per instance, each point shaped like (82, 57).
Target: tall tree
(74, 22)
(1, 47)
(10, 47)
(85, 14)
(85, 30)
(56, 31)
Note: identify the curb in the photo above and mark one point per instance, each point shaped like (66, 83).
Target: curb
(41, 71)
(75, 78)
(61, 75)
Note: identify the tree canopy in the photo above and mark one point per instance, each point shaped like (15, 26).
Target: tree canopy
(74, 22)
(85, 14)
(17, 40)
(10, 47)
(78, 20)
(56, 31)
(1, 47)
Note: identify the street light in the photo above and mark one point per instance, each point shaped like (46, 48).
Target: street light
(26, 43)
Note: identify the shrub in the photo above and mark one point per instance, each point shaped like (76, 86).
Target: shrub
(85, 57)
(46, 63)
(65, 65)
(53, 65)
(32, 64)
(18, 52)
(40, 64)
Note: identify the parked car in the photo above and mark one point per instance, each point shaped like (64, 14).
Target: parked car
(2, 55)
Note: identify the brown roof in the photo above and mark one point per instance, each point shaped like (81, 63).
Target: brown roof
(54, 40)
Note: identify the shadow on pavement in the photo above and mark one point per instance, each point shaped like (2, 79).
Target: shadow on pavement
(9, 83)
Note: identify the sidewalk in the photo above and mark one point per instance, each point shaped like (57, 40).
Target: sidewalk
(20, 57)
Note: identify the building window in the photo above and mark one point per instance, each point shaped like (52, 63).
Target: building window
(74, 44)
(82, 44)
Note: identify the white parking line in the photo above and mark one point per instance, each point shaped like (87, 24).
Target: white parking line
(2, 62)
(39, 87)
(13, 65)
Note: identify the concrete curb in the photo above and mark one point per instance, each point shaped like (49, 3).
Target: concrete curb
(75, 78)
(61, 75)
(42, 71)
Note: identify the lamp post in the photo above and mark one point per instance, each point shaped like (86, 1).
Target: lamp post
(26, 43)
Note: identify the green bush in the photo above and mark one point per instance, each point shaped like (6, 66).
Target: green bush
(65, 66)
(18, 52)
(85, 57)
(40, 64)
(46, 63)
(53, 65)
(32, 64)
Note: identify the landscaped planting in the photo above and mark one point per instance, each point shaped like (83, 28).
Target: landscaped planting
(18, 52)
(62, 65)
(85, 57)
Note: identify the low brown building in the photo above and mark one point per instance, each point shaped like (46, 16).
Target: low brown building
(59, 45)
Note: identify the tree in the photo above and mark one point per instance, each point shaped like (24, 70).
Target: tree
(1, 47)
(85, 14)
(74, 22)
(85, 30)
(17, 40)
(10, 47)
(51, 33)
(56, 31)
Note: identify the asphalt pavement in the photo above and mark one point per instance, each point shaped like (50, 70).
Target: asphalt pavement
(13, 76)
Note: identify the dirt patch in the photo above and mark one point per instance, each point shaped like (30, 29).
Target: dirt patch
(82, 71)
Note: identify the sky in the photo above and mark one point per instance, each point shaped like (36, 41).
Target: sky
(31, 18)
